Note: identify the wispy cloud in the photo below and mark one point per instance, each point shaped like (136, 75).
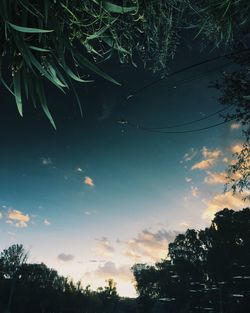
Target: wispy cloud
(17, 218)
(221, 201)
(184, 225)
(195, 191)
(104, 248)
(214, 178)
(211, 154)
(46, 161)
(79, 169)
(65, 257)
(149, 245)
(1, 215)
(109, 270)
(89, 181)
(46, 222)
(189, 155)
(235, 126)
(188, 179)
(203, 165)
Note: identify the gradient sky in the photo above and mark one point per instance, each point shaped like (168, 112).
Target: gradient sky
(94, 197)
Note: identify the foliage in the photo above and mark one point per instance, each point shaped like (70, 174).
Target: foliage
(59, 42)
(37, 288)
(235, 93)
(221, 22)
(198, 264)
(40, 42)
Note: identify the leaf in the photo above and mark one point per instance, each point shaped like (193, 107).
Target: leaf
(247, 97)
(39, 49)
(17, 92)
(29, 29)
(73, 75)
(86, 63)
(114, 8)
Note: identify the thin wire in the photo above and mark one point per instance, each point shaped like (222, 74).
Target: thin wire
(178, 132)
(183, 70)
(188, 123)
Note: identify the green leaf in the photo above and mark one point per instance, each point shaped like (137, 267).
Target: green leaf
(17, 92)
(86, 63)
(74, 76)
(247, 97)
(39, 49)
(114, 8)
(29, 29)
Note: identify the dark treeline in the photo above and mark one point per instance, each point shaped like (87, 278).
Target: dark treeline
(35, 288)
(206, 271)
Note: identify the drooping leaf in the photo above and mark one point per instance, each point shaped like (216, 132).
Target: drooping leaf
(23, 29)
(86, 63)
(17, 92)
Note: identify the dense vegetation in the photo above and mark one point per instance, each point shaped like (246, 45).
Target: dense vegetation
(206, 271)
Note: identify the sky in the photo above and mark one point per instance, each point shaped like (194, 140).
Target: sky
(96, 196)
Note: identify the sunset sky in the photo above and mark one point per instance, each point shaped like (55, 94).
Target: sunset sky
(95, 197)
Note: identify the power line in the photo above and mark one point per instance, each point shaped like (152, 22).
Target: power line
(177, 132)
(183, 70)
(186, 123)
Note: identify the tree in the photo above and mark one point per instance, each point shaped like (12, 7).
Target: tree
(205, 268)
(12, 260)
(235, 93)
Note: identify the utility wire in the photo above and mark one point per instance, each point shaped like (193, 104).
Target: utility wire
(178, 132)
(182, 124)
(183, 70)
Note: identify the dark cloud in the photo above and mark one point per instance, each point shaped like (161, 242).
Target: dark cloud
(65, 257)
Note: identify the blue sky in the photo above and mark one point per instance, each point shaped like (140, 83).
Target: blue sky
(95, 197)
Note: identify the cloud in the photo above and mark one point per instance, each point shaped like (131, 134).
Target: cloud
(236, 148)
(1, 215)
(189, 155)
(79, 169)
(203, 165)
(235, 126)
(188, 179)
(215, 178)
(221, 201)
(46, 161)
(104, 248)
(17, 218)
(111, 270)
(195, 191)
(184, 225)
(149, 245)
(46, 222)
(65, 257)
(211, 154)
(89, 181)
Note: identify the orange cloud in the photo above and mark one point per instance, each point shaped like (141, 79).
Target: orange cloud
(18, 218)
(221, 201)
(195, 191)
(215, 178)
(235, 126)
(149, 245)
(236, 148)
(89, 181)
(211, 154)
(203, 165)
